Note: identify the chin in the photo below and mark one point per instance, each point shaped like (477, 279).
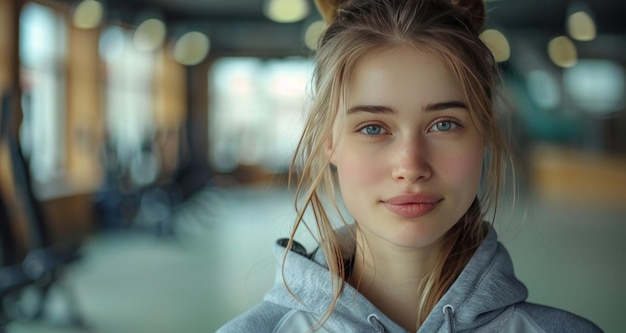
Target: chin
(413, 235)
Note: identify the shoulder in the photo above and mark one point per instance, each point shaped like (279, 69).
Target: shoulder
(548, 319)
(262, 318)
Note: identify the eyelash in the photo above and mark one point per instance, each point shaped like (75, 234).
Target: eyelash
(457, 123)
(362, 129)
(453, 121)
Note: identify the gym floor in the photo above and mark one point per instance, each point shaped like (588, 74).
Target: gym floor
(220, 263)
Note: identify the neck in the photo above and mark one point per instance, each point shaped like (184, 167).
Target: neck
(389, 276)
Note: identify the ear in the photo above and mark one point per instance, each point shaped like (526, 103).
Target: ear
(329, 149)
(477, 10)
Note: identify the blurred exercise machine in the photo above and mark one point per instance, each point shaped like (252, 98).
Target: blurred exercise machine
(32, 261)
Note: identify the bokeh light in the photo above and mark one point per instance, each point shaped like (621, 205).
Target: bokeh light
(286, 11)
(191, 48)
(149, 35)
(562, 52)
(497, 43)
(88, 14)
(581, 26)
(313, 33)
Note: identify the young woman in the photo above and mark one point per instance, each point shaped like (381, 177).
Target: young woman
(402, 125)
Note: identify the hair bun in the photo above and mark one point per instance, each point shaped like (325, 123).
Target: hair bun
(477, 11)
(328, 9)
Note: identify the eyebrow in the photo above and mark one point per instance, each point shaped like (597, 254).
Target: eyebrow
(370, 109)
(446, 105)
(387, 110)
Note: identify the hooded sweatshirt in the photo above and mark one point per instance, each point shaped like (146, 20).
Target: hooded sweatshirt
(486, 297)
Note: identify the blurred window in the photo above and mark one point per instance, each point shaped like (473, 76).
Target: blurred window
(257, 111)
(544, 89)
(596, 85)
(129, 102)
(42, 56)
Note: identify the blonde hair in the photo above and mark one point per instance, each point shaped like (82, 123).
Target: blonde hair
(443, 28)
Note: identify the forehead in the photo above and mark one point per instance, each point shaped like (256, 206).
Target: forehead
(401, 74)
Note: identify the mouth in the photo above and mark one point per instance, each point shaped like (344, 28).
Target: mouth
(412, 205)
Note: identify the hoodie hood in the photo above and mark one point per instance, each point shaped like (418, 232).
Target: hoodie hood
(485, 288)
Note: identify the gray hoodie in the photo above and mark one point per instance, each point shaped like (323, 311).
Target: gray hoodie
(485, 298)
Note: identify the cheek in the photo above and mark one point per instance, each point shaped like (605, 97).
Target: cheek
(356, 171)
(464, 168)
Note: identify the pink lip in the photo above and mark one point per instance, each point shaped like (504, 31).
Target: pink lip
(411, 205)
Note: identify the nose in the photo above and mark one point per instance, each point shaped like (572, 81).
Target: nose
(412, 162)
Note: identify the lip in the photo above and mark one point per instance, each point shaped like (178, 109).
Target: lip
(411, 205)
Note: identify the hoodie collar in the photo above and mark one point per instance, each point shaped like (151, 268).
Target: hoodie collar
(484, 289)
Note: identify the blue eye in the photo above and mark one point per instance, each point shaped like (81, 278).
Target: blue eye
(444, 126)
(372, 130)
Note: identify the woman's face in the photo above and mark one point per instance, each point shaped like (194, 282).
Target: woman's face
(407, 153)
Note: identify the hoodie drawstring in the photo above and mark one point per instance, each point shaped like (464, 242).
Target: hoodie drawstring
(448, 312)
(375, 322)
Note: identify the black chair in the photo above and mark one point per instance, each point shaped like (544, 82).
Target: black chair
(45, 261)
(12, 277)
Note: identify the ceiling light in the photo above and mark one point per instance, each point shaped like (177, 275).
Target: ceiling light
(286, 11)
(497, 43)
(191, 48)
(581, 27)
(562, 51)
(149, 35)
(313, 33)
(88, 14)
